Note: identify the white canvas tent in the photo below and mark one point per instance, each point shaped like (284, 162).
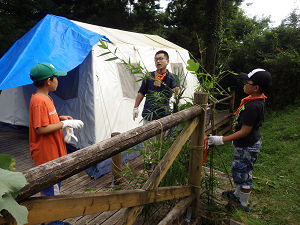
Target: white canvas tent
(98, 92)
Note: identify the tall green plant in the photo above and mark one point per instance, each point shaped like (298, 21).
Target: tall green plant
(209, 83)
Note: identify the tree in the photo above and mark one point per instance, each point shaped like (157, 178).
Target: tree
(18, 16)
(275, 49)
(145, 17)
(212, 37)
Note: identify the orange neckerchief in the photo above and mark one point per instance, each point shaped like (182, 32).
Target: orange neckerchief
(159, 76)
(248, 99)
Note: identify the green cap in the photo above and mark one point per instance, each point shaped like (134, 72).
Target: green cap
(42, 71)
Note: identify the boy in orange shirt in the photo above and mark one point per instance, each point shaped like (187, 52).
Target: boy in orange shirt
(46, 138)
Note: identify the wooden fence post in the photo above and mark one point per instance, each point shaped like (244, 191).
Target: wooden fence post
(116, 164)
(196, 153)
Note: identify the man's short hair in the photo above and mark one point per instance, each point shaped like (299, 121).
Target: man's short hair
(162, 52)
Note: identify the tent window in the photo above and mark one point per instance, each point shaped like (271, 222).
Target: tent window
(68, 85)
(129, 84)
(177, 69)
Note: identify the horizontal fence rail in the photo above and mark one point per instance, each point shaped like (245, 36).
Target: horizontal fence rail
(64, 206)
(50, 173)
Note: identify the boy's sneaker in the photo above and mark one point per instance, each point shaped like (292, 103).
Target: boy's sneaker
(233, 199)
(245, 208)
(230, 195)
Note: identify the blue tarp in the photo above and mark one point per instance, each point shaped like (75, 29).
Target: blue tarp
(54, 39)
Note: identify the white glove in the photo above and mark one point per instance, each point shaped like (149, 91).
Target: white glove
(135, 112)
(70, 135)
(77, 124)
(215, 140)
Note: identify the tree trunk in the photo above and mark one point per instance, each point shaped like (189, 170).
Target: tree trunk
(213, 8)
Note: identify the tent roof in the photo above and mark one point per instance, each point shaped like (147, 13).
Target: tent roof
(126, 37)
(45, 42)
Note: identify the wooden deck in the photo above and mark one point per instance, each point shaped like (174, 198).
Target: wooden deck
(16, 145)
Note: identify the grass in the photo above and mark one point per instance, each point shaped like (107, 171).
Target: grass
(276, 189)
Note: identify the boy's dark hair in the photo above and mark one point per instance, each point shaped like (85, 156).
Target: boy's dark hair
(162, 52)
(40, 83)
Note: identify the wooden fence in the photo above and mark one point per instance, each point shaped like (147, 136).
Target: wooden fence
(45, 209)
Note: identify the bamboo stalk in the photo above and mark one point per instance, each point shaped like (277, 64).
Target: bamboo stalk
(161, 169)
(196, 155)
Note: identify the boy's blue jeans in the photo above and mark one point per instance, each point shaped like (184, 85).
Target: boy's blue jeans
(243, 162)
(51, 191)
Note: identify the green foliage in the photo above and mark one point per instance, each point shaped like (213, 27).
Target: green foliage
(134, 69)
(90, 189)
(134, 179)
(145, 16)
(18, 16)
(10, 185)
(7, 162)
(275, 49)
(208, 83)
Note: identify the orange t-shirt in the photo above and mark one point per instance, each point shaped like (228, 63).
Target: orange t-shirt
(44, 148)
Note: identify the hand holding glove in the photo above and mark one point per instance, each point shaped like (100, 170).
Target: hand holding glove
(70, 135)
(77, 124)
(215, 140)
(135, 112)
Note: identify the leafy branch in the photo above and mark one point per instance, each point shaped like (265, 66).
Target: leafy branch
(208, 83)
(134, 69)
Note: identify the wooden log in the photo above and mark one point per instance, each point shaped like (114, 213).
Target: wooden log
(161, 169)
(196, 154)
(47, 174)
(46, 209)
(116, 164)
(177, 211)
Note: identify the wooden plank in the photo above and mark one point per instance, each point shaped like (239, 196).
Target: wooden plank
(59, 169)
(117, 218)
(161, 169)
(177, 211)
(98, 218)
(46, 209)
